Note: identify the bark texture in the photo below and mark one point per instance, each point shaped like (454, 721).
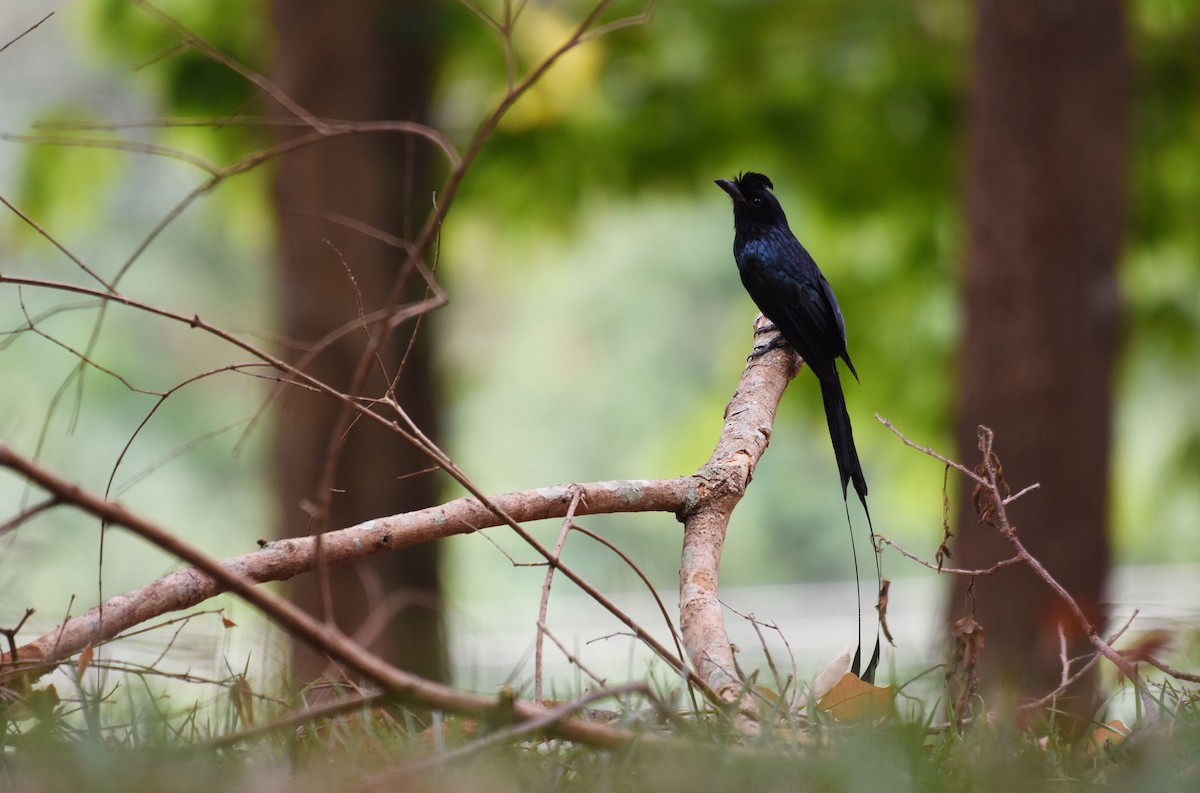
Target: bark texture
(1045, 203)
(360, 61)
(749, 418)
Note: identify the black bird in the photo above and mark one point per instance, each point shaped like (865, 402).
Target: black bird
(788, 287)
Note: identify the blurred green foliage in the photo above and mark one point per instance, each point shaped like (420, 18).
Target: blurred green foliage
(188, 82)
(857, 103)
(611, 249)
(50, 192)
(596, 326)
(1157, 452)
(855, 110)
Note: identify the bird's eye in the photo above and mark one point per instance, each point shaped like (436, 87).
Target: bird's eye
(756, 202)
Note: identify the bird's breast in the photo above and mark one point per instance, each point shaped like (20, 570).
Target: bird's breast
(757, 253)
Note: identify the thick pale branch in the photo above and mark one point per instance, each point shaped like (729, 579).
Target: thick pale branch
(288, 616)
(749, 418)
(704, 501)
(283, 559)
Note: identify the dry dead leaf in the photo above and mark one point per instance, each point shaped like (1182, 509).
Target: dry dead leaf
(943, 550)
(881, 606)
(824, 682)
(768, 695)
(85, 660)
(1110, 734)
(243, 699)
(852, 699)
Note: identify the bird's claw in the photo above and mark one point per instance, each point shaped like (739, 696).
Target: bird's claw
(761, 349)
(766, 327)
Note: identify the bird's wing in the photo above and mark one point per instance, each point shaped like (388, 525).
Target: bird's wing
(831, 299)
(799, 306)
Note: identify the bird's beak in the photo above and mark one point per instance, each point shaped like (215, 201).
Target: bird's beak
(732, 189)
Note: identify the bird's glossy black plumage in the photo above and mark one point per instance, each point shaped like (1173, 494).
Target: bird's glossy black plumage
(789, 288)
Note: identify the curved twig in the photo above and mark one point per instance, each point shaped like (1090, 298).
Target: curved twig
(991, 483)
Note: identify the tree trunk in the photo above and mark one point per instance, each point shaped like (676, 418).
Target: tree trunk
(1045, 193)
(357, 60)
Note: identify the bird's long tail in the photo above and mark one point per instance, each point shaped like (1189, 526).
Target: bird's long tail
(842, 436)
(850, 471)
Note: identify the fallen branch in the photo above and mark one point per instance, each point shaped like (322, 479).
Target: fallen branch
(704, 501)
(19, 665)
(283, 559)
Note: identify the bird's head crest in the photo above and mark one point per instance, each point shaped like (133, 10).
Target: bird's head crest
(750, 182)
(753, 203)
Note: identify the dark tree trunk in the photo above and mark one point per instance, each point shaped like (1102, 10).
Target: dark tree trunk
(1045, 193)
(357, 60)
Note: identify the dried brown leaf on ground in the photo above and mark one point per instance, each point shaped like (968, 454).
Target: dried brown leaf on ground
(853, 699)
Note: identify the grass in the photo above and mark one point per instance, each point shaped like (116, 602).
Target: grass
(99, 744)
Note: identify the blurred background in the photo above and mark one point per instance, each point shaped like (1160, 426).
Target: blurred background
(596, 326)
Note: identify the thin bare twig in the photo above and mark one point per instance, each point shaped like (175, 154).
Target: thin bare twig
(1063, 656)
(962, 469)
(780, 705)
(220, 57)
(662, 608)
(1027, 489)
(992, 498)
(572, 659)
(26, 32)
(61, 248)
(333, 126)
(304, 716)
(949, 570)
(11, 633)
(1175, 673)
(116, 144)
(27, 514)
(1069, 681)
(544, 604)
(633, 20)
(295, 621)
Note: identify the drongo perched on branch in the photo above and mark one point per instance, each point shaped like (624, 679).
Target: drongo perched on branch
(790, 290)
